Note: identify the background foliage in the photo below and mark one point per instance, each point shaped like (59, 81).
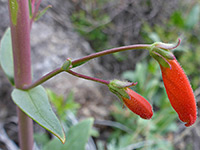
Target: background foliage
(108, 24)
(128, 131)
(157, 133)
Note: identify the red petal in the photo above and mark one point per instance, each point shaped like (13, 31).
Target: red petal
(179, 92)
(138, 104)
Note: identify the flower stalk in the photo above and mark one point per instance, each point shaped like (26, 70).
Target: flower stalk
(88, 78)
(43, 79)
(80, 61)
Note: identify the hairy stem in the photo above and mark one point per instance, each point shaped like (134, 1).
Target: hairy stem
(20, 31)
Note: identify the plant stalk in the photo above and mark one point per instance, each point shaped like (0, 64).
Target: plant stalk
(80, 61)
(88, 78)
(43, 79)
(20, 32)
(109, 51)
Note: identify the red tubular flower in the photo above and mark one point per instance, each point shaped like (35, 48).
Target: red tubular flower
(176, 83)
(179, 92)
(135, 102)
(138, 104)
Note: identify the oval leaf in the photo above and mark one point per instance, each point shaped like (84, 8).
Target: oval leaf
(6, 55)
(77, 137)
(35, 104)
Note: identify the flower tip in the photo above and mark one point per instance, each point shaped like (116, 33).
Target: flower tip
(176, 44)
(191, 121)
(168, 46)
(147, 116)
(179, 41)
(132, 84)
(138, 104)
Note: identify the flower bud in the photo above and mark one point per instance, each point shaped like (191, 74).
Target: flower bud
(118, 87)
(67, 64)
(135, 102)
(138, 104)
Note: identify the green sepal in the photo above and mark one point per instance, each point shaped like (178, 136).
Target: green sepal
(41, 13)
(161, 60)
(160, 53)
(116, 87)
(163, 52)
(167, 46)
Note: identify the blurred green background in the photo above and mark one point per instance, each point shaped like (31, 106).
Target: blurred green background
(94, 20)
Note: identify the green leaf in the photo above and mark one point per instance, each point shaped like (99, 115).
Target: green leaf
(77, 137)
(41, 13)
(141, 74)
(6, 56)
(13, 11)
(154, 37)
(129, 75)
(35, 104)
(41, 138)
(53, 145)
(61, 105)
(30, 8)
(177, 19)
(193, 17)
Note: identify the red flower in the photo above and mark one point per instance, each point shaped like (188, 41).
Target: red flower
(179, 92)
(138, 104)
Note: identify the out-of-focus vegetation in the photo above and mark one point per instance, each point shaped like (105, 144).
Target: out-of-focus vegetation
(79, 131)
(145, 134)
(157, 133)
(91, 22)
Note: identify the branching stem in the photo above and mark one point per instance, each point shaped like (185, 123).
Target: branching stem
(88, 78)
(43, 79)
(82, 60)
(109, 51)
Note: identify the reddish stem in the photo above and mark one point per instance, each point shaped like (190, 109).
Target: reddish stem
(88, 78)
(43, 79)
(20, 31)
(82, 60)
(35, 11)
(110, 51)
